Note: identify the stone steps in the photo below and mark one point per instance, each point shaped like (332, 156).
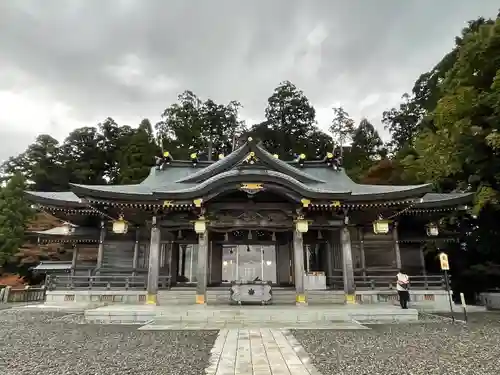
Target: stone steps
(234, 315)
(220, 296)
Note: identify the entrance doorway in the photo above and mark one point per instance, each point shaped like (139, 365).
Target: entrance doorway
(249, 263)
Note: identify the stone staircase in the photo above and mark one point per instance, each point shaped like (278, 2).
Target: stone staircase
(220, 296)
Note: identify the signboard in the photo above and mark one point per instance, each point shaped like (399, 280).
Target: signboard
(443, 260)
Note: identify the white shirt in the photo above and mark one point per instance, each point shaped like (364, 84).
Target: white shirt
(402, 279)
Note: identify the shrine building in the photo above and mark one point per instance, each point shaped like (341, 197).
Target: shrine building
(197, 227)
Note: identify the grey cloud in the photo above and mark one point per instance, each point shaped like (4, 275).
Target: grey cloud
(225, 49)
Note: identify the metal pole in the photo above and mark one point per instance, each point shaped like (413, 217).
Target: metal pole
(447, 282)
(262, 263)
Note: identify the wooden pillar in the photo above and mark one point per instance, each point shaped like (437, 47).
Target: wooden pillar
(73, 260)
(135, 259)
(100, 250)
(201, 274)
(329, 256)
(154, 263)
(424, 269)
(361, 236)
(347, 266)
(395, 239)
(298, 258)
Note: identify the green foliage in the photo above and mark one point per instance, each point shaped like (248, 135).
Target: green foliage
(192, 125)
(366, 150)
(15, 212)
(290, 127)
(136, 156)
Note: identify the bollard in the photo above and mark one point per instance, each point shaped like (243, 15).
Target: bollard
(464, 306)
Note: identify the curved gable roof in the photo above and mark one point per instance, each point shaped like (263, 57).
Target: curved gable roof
(236, 157)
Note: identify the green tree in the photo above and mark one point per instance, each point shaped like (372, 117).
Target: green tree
(112, 141)
(192, 125)
(290, 126)
(15, 211)
(41, 164)
(84, 157)
(342, 127)
(366, 150)
(138, 155)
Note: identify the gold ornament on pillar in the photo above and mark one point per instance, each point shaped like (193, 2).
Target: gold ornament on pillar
(200, 225)
(301, 224)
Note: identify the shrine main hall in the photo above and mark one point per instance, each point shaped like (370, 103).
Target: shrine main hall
(248, 223)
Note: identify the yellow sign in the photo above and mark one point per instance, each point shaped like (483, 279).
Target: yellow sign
(443, 260)
(200, 299)
(168, 203)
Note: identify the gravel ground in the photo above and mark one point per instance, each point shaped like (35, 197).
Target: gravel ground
(56, 343)
(412, 349)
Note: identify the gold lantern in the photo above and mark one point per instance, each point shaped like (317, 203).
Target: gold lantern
(120, 226)
(432, 230)
(381, 226)
(301, 225)
(200, 225)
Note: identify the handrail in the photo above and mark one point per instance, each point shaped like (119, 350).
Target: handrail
(104, 282)
(387, 282)
(26, 294)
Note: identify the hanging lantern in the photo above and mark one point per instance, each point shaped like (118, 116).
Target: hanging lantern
(301, 225)
(200, 225)
(381, 226)
(120, 226)
(432, 230)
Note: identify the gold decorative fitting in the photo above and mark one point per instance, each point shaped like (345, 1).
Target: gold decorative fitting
(250, 139)
(335, 204)
(252, 186)
(198, 202)
(276, 156)
(305, 202)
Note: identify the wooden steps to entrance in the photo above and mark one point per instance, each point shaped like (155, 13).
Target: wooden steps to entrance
(220, 296)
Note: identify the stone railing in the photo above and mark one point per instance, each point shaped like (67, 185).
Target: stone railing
(27, 294)
(427, 282)
(104, 282)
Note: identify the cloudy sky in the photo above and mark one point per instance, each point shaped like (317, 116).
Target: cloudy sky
(71, 63)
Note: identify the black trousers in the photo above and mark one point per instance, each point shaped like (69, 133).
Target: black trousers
(404, 298)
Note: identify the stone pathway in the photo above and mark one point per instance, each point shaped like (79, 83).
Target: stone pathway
(257, 351)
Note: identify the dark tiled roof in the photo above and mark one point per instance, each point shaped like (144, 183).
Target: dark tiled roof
(182, 180)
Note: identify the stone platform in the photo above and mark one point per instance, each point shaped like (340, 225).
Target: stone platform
(248, 316)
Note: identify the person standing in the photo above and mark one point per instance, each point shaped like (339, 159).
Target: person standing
(402, 286)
